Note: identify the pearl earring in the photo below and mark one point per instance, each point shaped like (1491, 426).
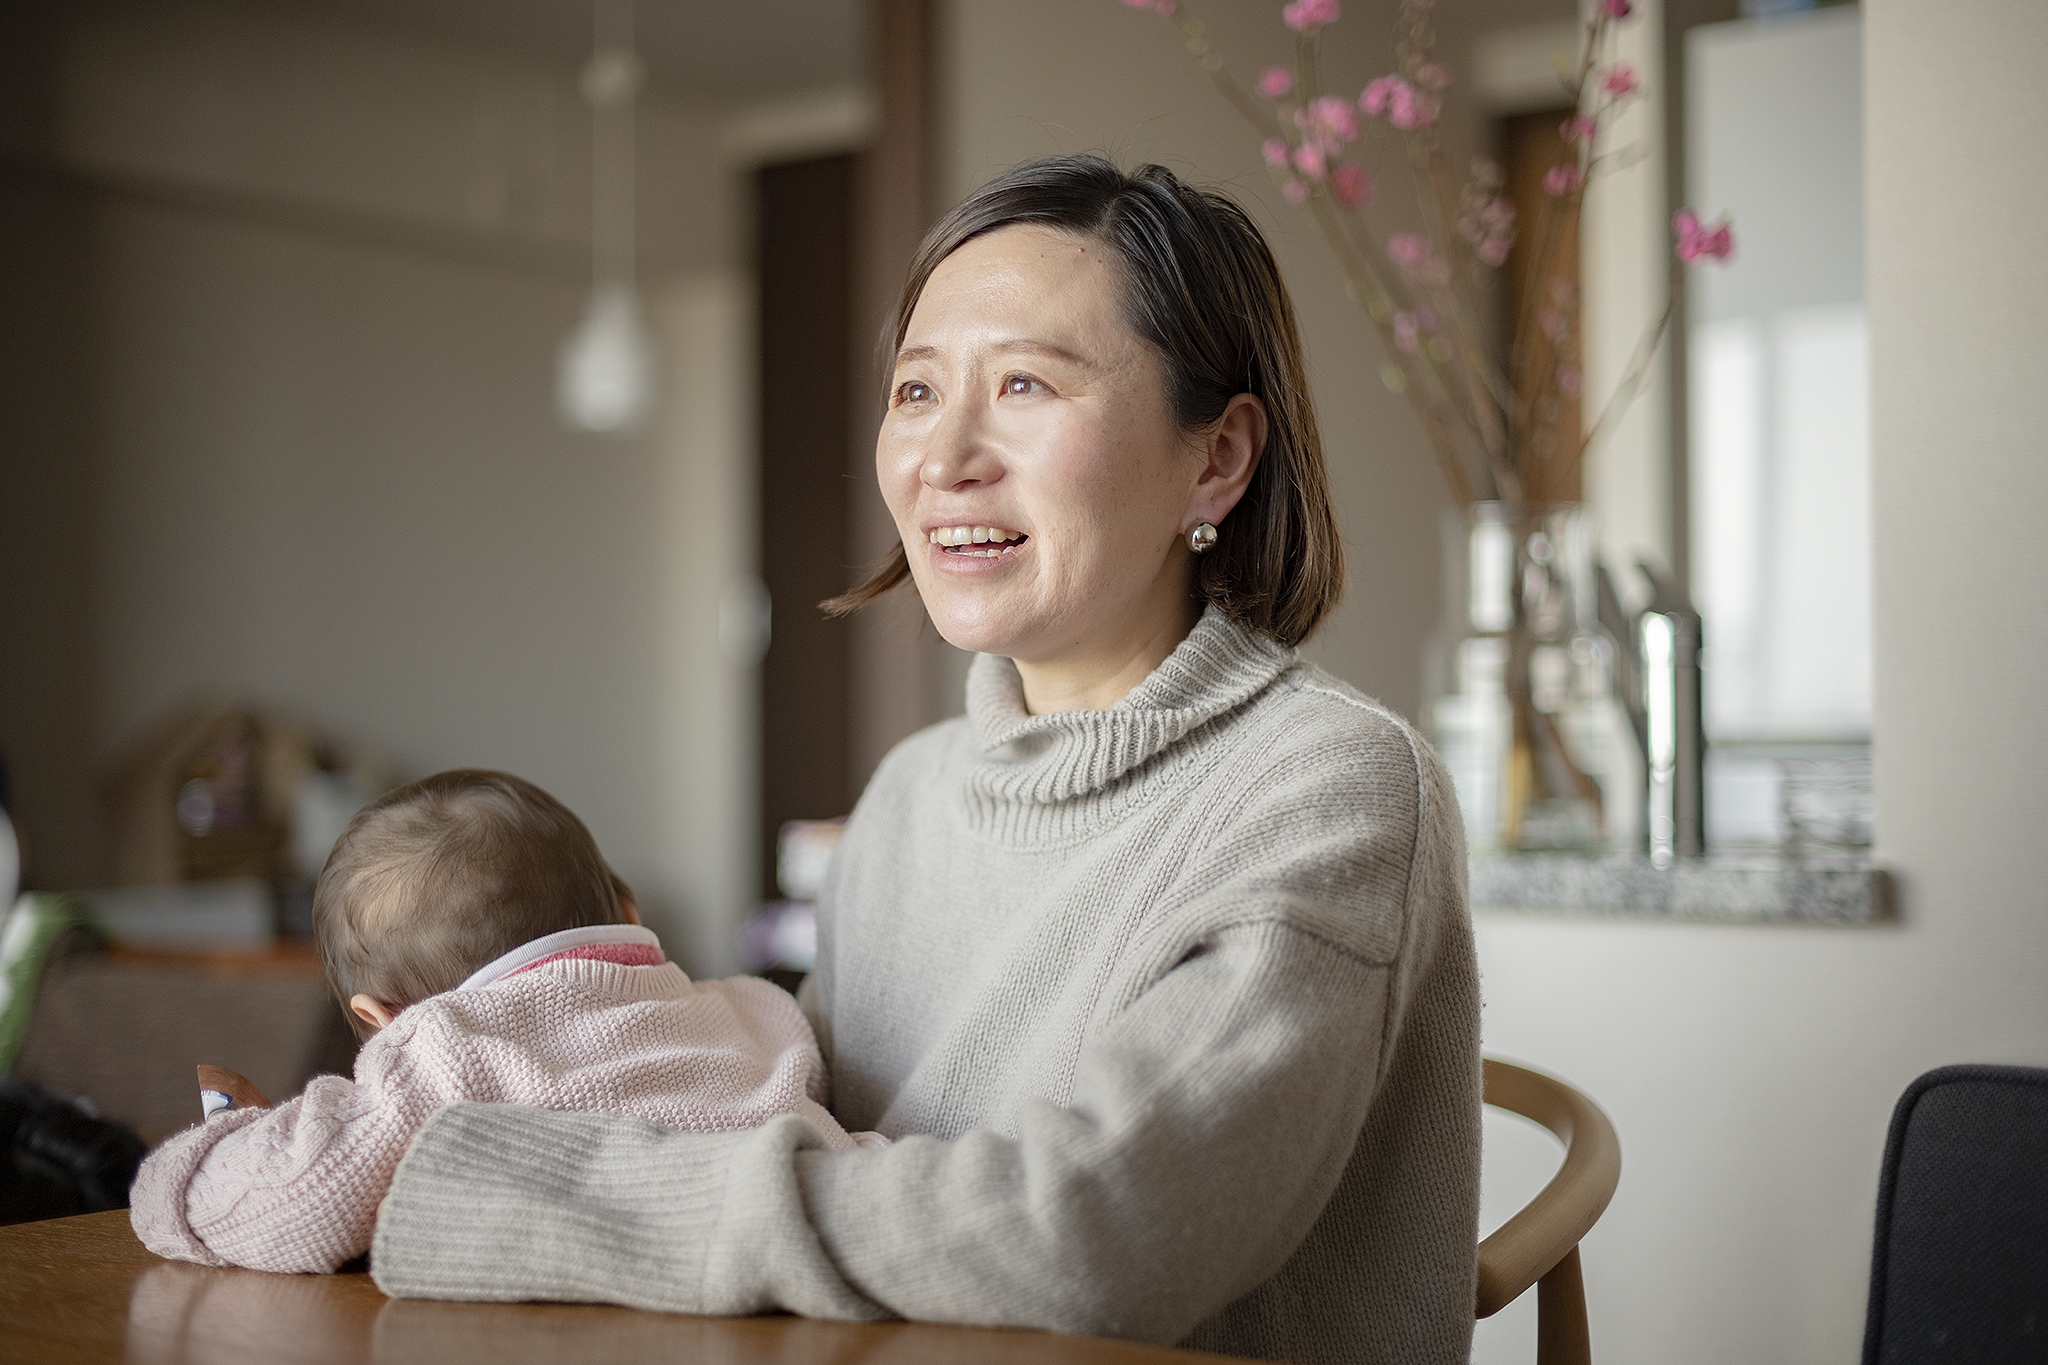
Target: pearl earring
(1203, 538)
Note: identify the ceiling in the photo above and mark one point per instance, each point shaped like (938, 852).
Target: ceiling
(713, 51)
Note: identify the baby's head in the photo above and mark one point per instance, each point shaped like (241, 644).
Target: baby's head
(442, 877)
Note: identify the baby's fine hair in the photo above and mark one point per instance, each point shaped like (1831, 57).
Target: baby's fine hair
(439, 878)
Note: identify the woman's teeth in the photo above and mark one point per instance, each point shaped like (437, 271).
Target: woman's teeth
(998, 540)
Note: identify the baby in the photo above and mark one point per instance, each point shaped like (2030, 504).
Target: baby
(478, 939)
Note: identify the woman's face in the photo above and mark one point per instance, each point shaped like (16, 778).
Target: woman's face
(1029, 456)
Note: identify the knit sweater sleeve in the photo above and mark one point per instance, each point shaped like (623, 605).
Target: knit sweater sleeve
(1211, 1118)
(291, 1189)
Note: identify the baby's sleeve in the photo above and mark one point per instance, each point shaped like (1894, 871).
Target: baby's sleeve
(291, 1189)
(768, 1019)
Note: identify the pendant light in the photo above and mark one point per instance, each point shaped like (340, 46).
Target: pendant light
(605, 373)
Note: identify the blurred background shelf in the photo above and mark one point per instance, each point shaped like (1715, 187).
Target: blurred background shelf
(1733, 887)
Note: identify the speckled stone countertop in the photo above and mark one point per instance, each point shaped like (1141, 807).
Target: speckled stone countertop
(1736, 888)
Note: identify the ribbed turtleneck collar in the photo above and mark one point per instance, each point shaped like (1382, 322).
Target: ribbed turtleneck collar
(1046, 760)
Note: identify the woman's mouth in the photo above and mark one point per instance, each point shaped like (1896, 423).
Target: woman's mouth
(977, 542)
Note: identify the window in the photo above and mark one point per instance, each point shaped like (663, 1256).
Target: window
(1779, 401)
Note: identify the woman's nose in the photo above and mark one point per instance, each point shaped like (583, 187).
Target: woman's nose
(958, 455)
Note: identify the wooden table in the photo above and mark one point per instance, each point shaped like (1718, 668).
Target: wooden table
(81, 1291)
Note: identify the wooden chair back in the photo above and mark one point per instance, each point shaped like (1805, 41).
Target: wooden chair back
(1540, 1244)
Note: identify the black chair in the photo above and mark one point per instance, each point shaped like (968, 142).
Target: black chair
(1960, 1267)
(57, 1160)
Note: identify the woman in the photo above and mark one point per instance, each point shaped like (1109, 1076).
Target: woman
(1156, 964)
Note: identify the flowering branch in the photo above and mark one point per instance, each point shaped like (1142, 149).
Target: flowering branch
(1697, 241)
(1492, 428)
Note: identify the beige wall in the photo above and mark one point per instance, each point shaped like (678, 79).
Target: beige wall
(312, 461)
(1751, 1070)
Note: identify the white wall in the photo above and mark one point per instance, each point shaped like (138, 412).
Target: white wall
(1751, 1071)
(329, 269)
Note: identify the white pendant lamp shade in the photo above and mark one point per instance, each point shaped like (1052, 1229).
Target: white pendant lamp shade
(605, 379)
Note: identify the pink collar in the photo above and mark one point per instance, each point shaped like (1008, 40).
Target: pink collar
(629, 945)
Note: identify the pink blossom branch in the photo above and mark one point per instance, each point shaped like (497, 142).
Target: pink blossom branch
(1558, 210)
(1434, 401)
(1483, 395)
(1478, 414)
(1197, 42)
(1486, 391)
(1638, 370)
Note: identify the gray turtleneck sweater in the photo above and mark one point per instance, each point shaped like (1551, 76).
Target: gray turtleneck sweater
(1171, 1010)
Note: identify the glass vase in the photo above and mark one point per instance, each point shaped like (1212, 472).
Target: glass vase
(1520, 677)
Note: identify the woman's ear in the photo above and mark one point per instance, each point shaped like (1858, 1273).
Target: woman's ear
(375, 1013)
(1232, 450)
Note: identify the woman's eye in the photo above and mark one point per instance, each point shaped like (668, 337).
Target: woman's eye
(914, 391)
(1021, 384)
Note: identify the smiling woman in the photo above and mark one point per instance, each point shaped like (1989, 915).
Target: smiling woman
(1155, 966)
(1053, 362)
(1065, 443)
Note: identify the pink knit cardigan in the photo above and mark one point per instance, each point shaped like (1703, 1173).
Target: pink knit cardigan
(296, 1188)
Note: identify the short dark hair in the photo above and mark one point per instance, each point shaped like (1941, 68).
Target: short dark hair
(1201, 286)
(442, 876)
